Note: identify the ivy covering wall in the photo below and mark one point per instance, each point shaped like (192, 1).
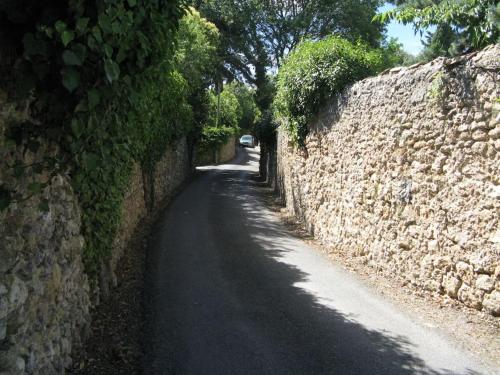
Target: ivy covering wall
(99, 80)
(110, 83)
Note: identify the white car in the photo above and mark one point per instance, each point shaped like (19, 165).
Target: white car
(247, 141)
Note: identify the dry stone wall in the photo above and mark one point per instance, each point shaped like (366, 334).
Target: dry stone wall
(44, 292)
(402, 171)
(223, 154)
(227, 151)
(144, 195)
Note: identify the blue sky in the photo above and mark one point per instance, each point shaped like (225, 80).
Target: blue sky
(411, 41)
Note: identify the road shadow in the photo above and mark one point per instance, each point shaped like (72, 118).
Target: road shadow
(237, 307)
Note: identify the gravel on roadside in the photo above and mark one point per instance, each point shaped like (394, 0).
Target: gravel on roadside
(114, 344)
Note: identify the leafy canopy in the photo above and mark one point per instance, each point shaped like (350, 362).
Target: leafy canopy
(230, 112)
(250, 113)
(476, 22)
(256, 35)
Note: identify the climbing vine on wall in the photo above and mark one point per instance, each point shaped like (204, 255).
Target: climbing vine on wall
(99, 81)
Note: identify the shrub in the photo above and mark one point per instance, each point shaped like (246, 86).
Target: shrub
(212, 137)
(313, 73)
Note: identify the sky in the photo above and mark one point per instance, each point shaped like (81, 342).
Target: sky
(411, 41)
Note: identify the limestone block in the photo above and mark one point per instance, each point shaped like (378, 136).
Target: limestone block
(485, 282)
(470, 297)
(465, 272)
(494, 133)
(451, 285)
(433, 246)
(484, 262)
(18, 293)
(491, 303)
(442, 262)
(432, 285)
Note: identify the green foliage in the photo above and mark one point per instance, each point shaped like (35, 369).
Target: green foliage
(197, 59)
(265, 128)
(196, 55)
(213, 137)
(257, 35)
(105, 91)
(444, 41)
(230, 112)
(475, 22)
(393, 54)
(250, 113)
(313, 73)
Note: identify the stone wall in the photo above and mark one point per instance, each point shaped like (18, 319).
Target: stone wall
(225, 153)
(44, 292)
(228, 151)
(144, 196)
(402, 171)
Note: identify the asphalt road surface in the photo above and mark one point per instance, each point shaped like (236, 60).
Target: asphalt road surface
(230, 291)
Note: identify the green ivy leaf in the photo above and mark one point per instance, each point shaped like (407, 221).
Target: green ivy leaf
(116, 27)
(60, 26)
(105, 23)
(82, 106)
(112, 70)
(67, 37)
(76, 128)
(49, 31)
(96, 32)
(121, 55)
(108, 51)
(44, 205)
(81, 24)
(80, 50)
(70, 78)
(91, 42)
(90, 161)
(93, 97)
(132, 3)
(70, 58)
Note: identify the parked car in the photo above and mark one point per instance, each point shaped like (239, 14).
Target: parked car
(247, 141)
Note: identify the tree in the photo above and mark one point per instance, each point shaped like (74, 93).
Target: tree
(462, 25)
(197, 59)
(250, 113)
(256, 35)
(230, 112)
(395, 55)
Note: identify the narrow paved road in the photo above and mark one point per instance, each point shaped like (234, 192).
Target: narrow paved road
(230, 291)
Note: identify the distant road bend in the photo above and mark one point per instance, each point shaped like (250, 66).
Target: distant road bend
(230, 291)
